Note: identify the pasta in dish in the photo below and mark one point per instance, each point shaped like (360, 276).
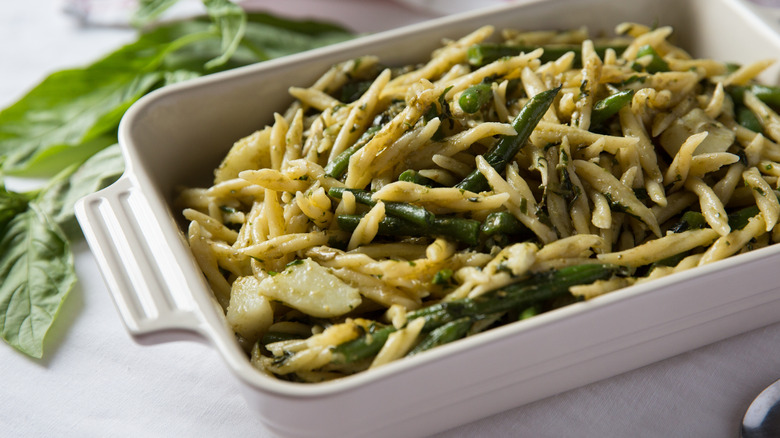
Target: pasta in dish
(390, 210)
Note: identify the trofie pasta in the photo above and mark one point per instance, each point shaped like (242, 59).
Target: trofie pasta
(392, 209)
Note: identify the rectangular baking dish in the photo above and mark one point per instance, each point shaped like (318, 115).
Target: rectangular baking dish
(179, 134)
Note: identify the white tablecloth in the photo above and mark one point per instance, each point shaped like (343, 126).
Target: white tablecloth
(94, 381)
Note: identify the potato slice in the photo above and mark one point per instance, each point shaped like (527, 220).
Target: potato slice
(249, 312)
(250, 153)
(312, 289)
(719, 137)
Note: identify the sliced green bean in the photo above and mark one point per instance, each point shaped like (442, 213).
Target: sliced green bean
(528, 312)
(744, 116)
(740, 218)
(482, 54)
(352, 91)
(460, 230)
(669, 261)
(748, 119)
(502, 222)
(442, 277)
(609, 106)
(337, 167)
(415, 177)
(509, 145)
(412, 213)
(690, 220)
(656, 64)
(475, 97)
(769, 94)
(452, 331)
(536, 289)
(363, 347)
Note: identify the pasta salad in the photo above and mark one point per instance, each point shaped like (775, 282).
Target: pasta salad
(392, 209)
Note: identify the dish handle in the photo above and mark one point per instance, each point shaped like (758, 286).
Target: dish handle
(138, 265)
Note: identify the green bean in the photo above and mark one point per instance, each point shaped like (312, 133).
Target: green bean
(690, 220)
(460, 230)
(693, 220)
(528, 313)
(481, 54)
(673, 260)
(412, 213)
(414, 177)
(769, 94)
(363, 347)
(744, 116)
(740, 218)
(442, 277)
(731, 67)
(509, 145)
(538, 288)
(609, 106)
(502, 222)
(445, 334)
(337, 167)
(475, 97)
(656, 64)
(748, 119)
(352, 91)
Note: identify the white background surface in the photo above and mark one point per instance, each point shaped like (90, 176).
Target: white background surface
(94, 381)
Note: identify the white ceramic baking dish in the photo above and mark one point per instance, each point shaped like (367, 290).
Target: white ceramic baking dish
(179, 134)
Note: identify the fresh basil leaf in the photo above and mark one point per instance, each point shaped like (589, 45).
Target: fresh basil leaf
(305, 27)
(191, 60)
(272, 37)
(60, 121)
(149, 10)
(174, 77)
(99, 171)
(36, 265)
(65, 114)
(74, 113)
(51, 159)
(11, 204)
(230, 20)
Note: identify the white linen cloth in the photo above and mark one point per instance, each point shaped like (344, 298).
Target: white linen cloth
(94, 381)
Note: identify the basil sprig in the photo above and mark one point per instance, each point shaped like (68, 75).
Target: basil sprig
(64, 130)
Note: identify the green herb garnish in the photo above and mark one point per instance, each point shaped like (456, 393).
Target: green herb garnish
(58, 130)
